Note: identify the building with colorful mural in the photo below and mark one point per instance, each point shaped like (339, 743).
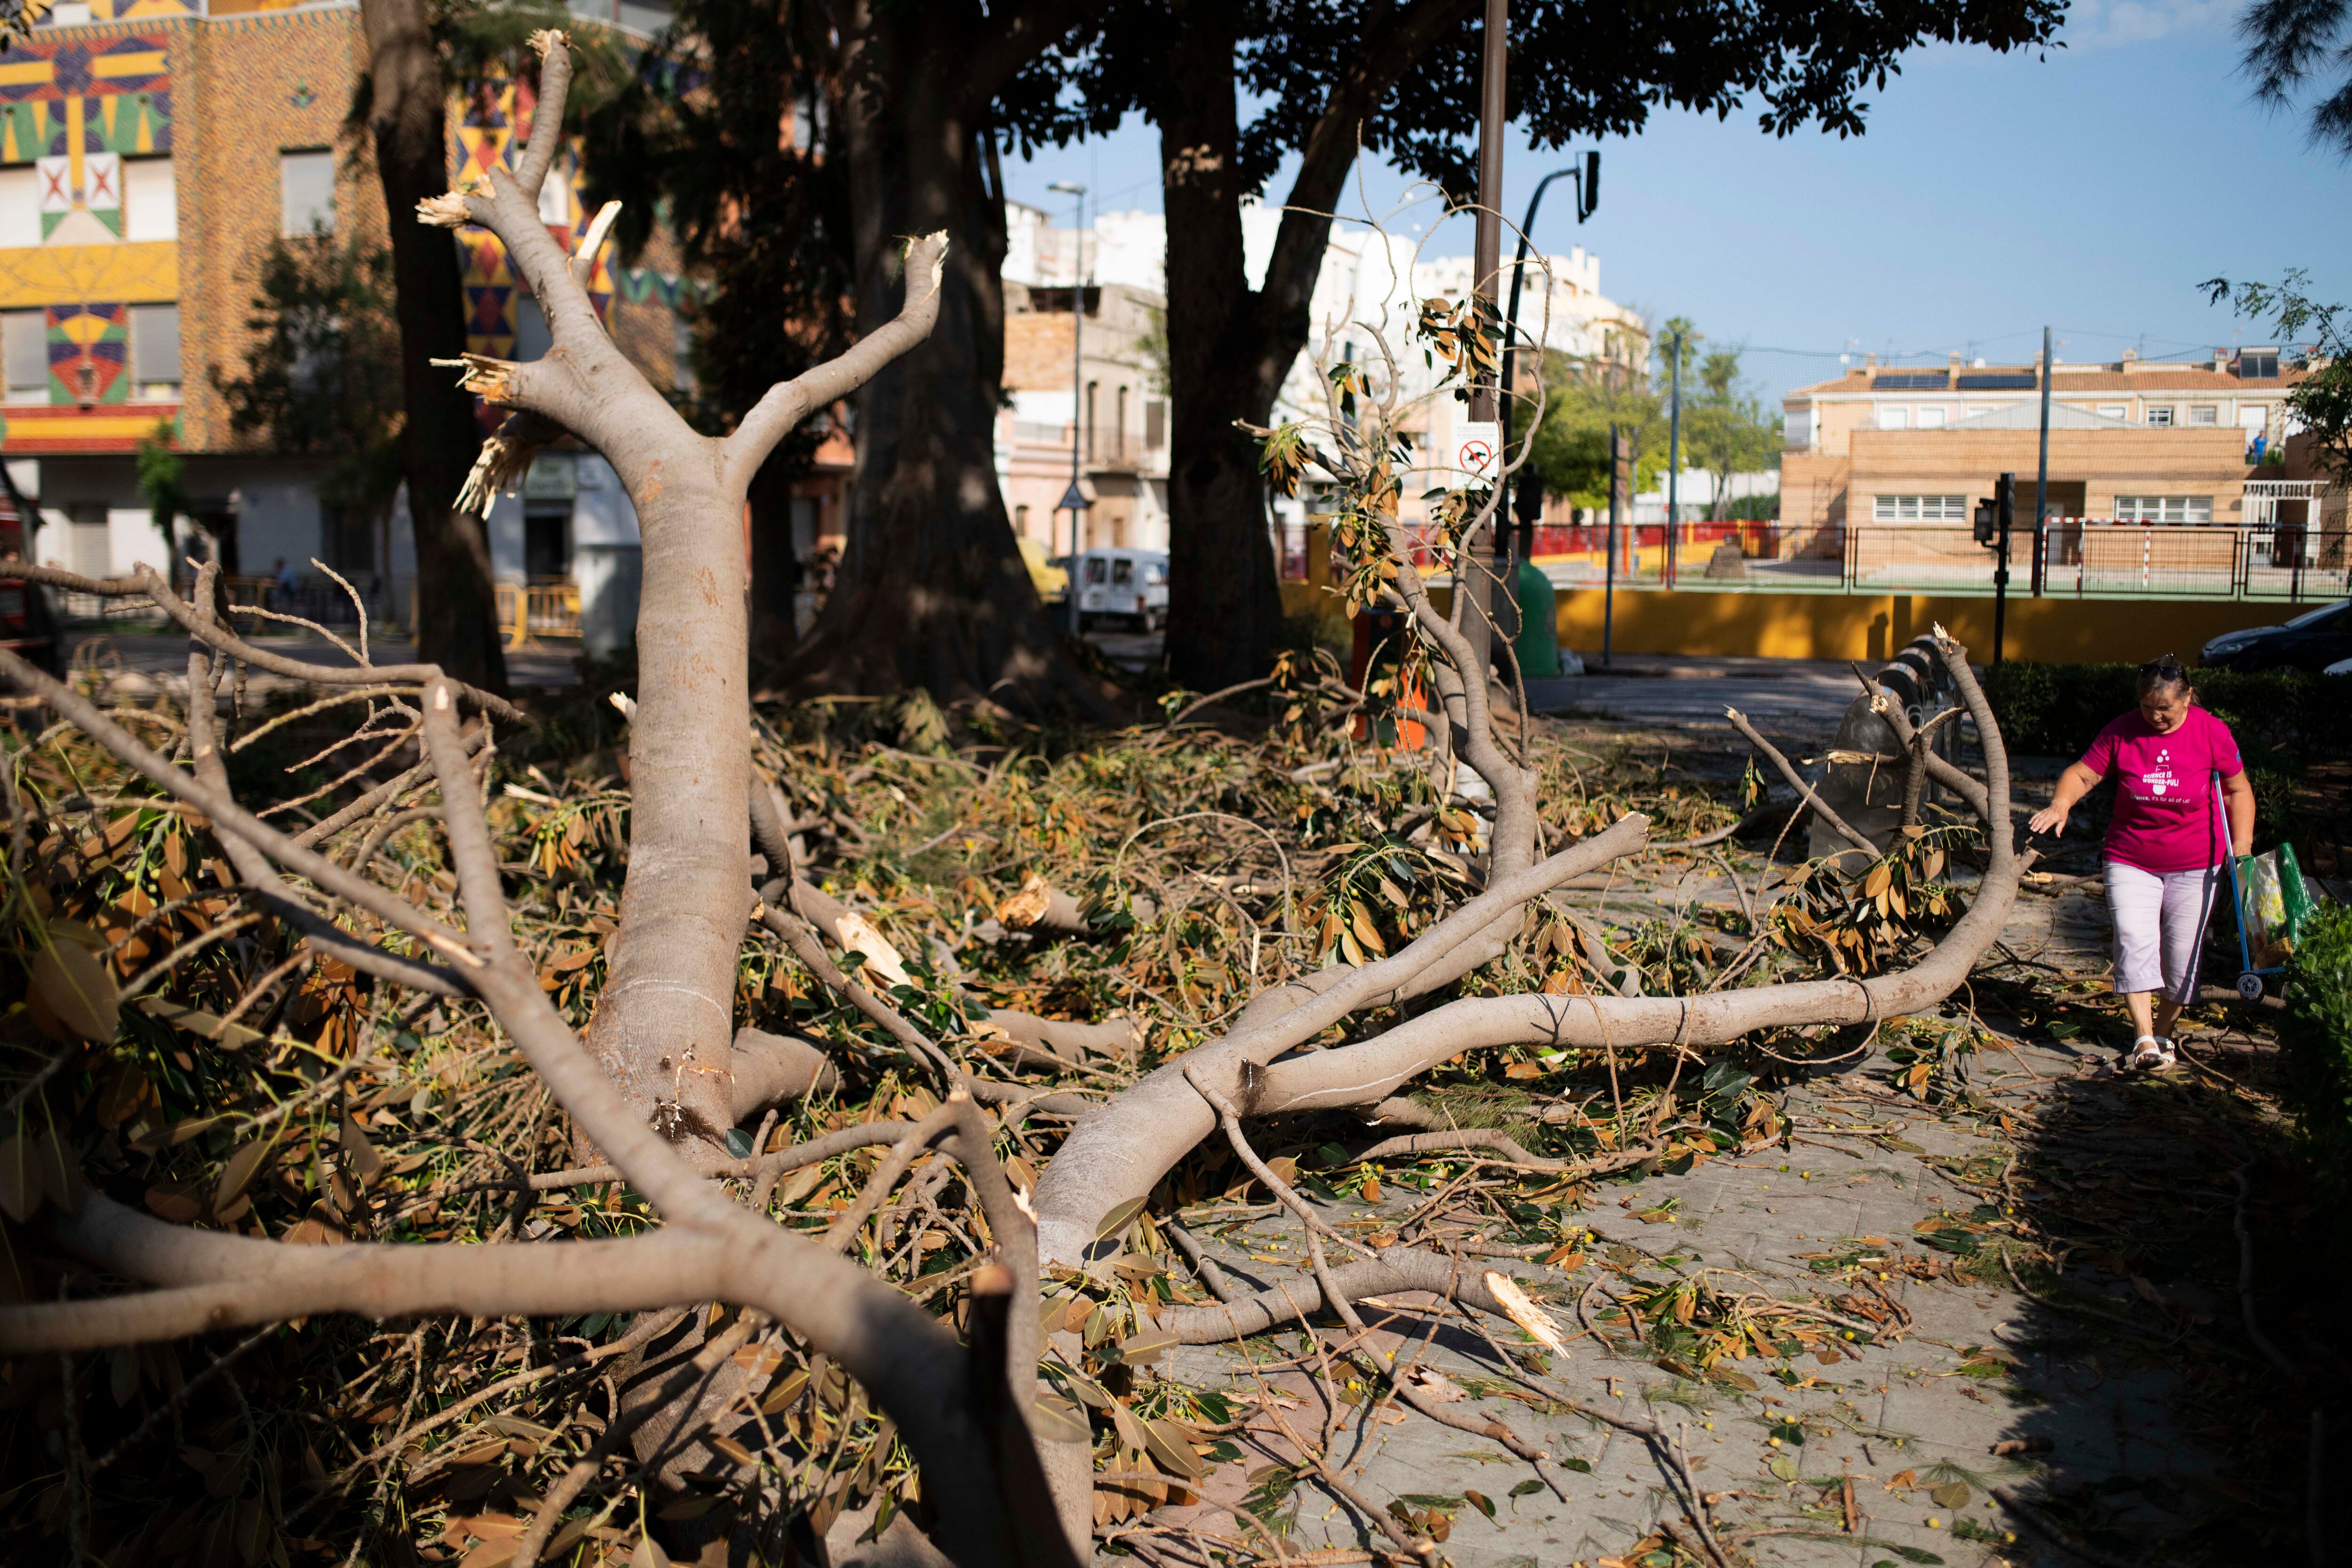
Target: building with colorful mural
(151, 152)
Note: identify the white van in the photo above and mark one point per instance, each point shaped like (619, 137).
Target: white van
(1130, 584)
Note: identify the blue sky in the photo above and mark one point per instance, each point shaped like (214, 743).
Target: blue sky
(2090, 190)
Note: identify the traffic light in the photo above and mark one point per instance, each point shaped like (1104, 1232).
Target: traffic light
(1987, 523)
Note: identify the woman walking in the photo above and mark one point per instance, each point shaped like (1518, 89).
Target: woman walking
(2164, 845)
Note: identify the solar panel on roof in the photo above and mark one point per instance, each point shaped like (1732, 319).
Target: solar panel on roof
(1908, 381)
(2010, 381)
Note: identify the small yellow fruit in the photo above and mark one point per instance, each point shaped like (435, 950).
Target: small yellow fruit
(1774, 1441)
(1934, 1524)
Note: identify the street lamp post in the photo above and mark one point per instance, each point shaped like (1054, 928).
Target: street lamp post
(1674, 454)
(1587, 175)
(1075, 500)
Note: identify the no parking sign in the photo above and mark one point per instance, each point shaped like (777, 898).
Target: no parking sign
(1479, 450)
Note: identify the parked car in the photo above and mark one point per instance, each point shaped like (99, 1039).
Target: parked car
(2309, 642)
(1130, 585)
(1049, 580)
(2340, 667)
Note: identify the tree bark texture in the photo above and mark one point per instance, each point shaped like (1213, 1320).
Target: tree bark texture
(931, 590)
(457, 609)
(1224, 611)
(1231, 346)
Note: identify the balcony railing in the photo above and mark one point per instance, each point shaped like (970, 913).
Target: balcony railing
(1104, 449)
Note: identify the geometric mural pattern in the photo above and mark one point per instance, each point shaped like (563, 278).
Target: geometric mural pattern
(73, 110)
(494, 128)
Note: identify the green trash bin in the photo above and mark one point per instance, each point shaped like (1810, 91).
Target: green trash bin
(1537, 647)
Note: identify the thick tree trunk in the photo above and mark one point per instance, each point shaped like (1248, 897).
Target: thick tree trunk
(456, 611)
(1229, 346)
(932, 592)
(1224, 612)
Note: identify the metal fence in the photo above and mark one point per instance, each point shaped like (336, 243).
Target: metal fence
(2081, 558)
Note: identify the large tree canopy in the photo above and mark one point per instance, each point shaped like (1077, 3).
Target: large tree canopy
(1398, 81)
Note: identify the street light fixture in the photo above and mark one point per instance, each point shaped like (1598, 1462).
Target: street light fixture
(1075, 501)
(1586, 173)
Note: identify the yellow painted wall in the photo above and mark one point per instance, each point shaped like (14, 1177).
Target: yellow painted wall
(1876, 626)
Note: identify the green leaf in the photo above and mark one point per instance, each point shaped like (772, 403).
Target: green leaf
(1528, 1489)
(1916, 1554)
(1784, 1468)
(739, 1143)
(1952, 1494)
(1115, 1222)
(1480, 1501)
(1582, 1466)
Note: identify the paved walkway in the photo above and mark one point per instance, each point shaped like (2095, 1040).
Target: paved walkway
(1686, 693)
(1831, 1452)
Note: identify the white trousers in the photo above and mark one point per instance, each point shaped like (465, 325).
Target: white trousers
(2159, 918)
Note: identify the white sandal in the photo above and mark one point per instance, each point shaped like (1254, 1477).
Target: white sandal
(2151, 1054)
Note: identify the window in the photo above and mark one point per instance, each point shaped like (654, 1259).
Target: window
(2160, 415)
(150, 200)
(156, 353)
(2204, 413)
(1155, 421)
(1122, 574)
(2253, 419)
(532, 340)
(24, 345)
(2164, 509)
(2258, 367)
(2115, 410)
(20, 206)
(1096, 570)
(681, 350)
(1894, 419)
(306, 192)
(1931, 419)
(1021, 522)
(1919, 508)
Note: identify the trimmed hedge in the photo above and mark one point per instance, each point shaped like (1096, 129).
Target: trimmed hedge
(2054, 710)
(2316, 1039)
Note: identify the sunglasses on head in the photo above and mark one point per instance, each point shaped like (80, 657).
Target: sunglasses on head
(2167, 666)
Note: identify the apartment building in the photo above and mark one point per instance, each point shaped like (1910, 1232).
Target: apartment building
(2131, 440)
(150, 152)
(1106, 394)
(1369, 289)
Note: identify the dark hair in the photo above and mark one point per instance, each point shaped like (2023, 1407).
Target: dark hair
(2164, 675)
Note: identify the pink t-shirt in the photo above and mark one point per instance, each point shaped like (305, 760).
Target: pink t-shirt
(2165, 816)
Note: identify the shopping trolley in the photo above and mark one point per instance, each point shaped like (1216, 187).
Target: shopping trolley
(2250, 979)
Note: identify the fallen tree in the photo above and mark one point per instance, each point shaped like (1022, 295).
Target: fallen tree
(655, 1093)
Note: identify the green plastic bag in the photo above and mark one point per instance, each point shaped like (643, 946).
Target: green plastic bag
(2277, 903)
